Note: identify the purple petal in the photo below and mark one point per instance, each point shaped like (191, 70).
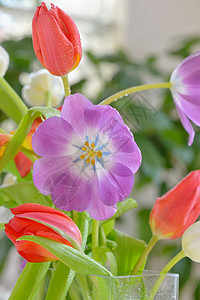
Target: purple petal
(131, 159)
(52, 137)
(97, 209)
(47, 170)
(192, 111)
(71, 192)
(189, 70)
(116, 184)
(73, 112)
(186, 124)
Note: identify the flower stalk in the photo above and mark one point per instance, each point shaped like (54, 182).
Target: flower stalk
(134, 89)
(144, 255)
(164, 271)
(66, 85)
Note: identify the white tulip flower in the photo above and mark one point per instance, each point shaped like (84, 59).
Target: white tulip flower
(191, 242)
(40, 85)
(4, 61)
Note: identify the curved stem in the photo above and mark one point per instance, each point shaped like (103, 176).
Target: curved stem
(95, 239)
(66, 85)
(144, 255)
(11, 92)
(18, 137)
(49, 99)
(134, 89)
(164, 271)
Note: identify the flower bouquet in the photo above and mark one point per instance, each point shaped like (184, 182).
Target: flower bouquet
(76, 166)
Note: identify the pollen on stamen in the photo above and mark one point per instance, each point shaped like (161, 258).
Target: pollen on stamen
(86, 144)
(88, 160)
(93, 162)
(83, 148)
(99, 154)
(93, 145)
(82, 156)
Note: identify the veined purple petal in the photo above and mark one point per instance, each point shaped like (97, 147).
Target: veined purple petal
(73, 112)
(131, 160)
(70, 191)
(186, 124)
(47, 170)
(52, 137)
(115, 184)
(97, 209)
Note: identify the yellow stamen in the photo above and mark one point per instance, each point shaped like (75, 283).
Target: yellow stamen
(93, 145)
(86, 144)
(83, 148)
(88, 160)
(93, 162)
(99, 154)
(82, 156)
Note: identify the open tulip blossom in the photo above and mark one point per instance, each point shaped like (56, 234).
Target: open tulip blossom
(88, 159)
(186, 92)
(82, 158)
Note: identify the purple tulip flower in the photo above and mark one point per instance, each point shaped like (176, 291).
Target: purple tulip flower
(185, 90)
(88, 159)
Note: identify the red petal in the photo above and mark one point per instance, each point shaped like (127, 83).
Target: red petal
(23, 164)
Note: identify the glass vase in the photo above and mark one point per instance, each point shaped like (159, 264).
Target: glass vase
(148, 286)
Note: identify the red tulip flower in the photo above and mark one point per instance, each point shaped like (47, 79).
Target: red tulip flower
(56, 40)
(27, 221)
(176, 210)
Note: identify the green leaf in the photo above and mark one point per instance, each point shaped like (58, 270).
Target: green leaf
(122, 207)
(72, 258)
(128, 251)
(2, 226)
(58, 285)
(20, 193)
(29, 281)
(47, 112)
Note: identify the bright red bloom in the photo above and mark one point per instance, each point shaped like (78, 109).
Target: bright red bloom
(56, 40)
(27, 222)
(176, 210)
(23, 163)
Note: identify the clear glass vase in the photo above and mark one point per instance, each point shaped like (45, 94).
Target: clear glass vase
(148, 286)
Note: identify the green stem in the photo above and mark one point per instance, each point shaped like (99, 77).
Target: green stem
(66, 85)
(95, 239)
(84, 228)
(16, 99)
(58, 285)
(30, 154)
(134, 89)
(144, 255)
(49, 99)
(18, 137)
(75, 216)
(163, 273)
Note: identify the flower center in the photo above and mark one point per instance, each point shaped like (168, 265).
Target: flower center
(90, 153)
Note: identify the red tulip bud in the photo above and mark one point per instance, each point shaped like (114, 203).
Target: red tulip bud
(176, 210)
(56, 40)
(29, 219)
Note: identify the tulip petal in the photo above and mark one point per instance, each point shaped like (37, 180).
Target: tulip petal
(97, 209)
(52, 137)
(23, 164)
(115, 184)
(186, 124)
(73, 112)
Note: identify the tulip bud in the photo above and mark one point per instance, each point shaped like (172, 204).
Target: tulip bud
(56, 40)
(191, 242)
(4, 61)
(38, 220)
(176, 210)
(40, 84)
